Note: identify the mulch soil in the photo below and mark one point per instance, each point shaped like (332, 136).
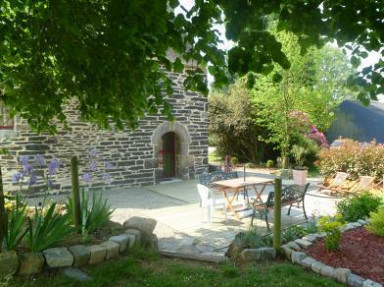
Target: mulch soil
(360, 251)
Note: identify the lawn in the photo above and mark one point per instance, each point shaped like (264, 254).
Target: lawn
(142, 268)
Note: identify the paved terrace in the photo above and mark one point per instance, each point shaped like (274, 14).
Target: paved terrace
(183, 225)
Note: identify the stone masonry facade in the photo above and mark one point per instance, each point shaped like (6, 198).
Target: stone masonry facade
(133, 155)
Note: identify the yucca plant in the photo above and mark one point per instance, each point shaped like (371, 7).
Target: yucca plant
(47, 228)
(94, 214)
(16, 230)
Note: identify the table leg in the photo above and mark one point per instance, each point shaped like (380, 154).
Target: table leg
(229, 201)
(259, 193)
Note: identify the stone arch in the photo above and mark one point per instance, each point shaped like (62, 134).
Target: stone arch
(184, 140)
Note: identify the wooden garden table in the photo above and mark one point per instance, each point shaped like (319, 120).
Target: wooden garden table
(236, 185)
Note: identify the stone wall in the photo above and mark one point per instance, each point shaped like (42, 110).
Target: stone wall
(133, 154)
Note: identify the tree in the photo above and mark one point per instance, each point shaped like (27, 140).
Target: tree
(111, 55)
(231, 122)
(282, 97)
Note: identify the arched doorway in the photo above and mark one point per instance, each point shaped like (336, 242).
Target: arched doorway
(171, 150)
(168, 154)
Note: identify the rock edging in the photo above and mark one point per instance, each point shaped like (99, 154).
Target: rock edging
(31, 263)
(295, 252)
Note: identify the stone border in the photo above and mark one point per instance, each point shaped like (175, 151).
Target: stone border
(31, 263)
(294, 251)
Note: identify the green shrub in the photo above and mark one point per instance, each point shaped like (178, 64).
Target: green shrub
(293, 232)
(270, 163)
(306, 151)
(250, 239)
(46, 228)
(354, 159)
(234, 161)
(15, 218)
(358, 207)
(376, 222)
(331, 227)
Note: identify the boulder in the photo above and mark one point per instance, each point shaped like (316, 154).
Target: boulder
(142, 224)
(297, 257)
(122, 240)
(248, 255)
(98, 254)
(341, 274)
(9, 263)
(81, 255)
(286, 251)
(58, 257)
(112, 248)
(146, 226)
(370, 283)
(354, 280)
(31, 263)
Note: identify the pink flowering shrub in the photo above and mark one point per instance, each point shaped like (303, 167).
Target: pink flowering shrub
(353, 158)
(317, 136)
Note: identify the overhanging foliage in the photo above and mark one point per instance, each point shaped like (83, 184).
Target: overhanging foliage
(108, 54)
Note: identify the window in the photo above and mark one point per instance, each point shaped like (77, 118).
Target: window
(6, 121)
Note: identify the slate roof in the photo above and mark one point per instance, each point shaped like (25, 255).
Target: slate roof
(355, 121)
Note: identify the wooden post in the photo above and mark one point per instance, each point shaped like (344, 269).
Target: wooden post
(75, 192)
(3, 221)
(277, 216)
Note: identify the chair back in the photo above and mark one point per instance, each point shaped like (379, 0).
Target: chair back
(204, 193)
(209, 178)
(364, 182)
(339, 179)
(291, 193)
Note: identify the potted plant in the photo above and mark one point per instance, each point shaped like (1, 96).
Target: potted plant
(299, 172)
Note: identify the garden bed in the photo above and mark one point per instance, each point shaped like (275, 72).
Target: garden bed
(360, 251)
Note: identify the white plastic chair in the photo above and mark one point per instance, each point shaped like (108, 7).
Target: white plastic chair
(210, 201)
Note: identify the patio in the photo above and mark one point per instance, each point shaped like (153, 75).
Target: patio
(181, 224)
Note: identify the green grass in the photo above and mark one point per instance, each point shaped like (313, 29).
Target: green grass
(141, 268)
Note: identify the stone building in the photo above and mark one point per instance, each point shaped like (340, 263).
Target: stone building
(157, 150)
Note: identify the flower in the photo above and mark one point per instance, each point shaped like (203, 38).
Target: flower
(108, 165)
(51, 183)
(24, 160)
(107, 178)
(53, 166)
(16, 177)
(27, 169)
(32, 180)
(86, 177)
(40, 159)
(93, 152)
(9, 206)
(93, 165)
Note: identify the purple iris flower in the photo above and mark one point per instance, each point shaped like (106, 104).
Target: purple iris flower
(107, 178)
(27, 169)
(40, 159)
(24, 160)
(93, 165)
(93, 152)
(51, 183)
(86, 177)
(16, 177)
(108, 165)
(32, 180)
(53, 166)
